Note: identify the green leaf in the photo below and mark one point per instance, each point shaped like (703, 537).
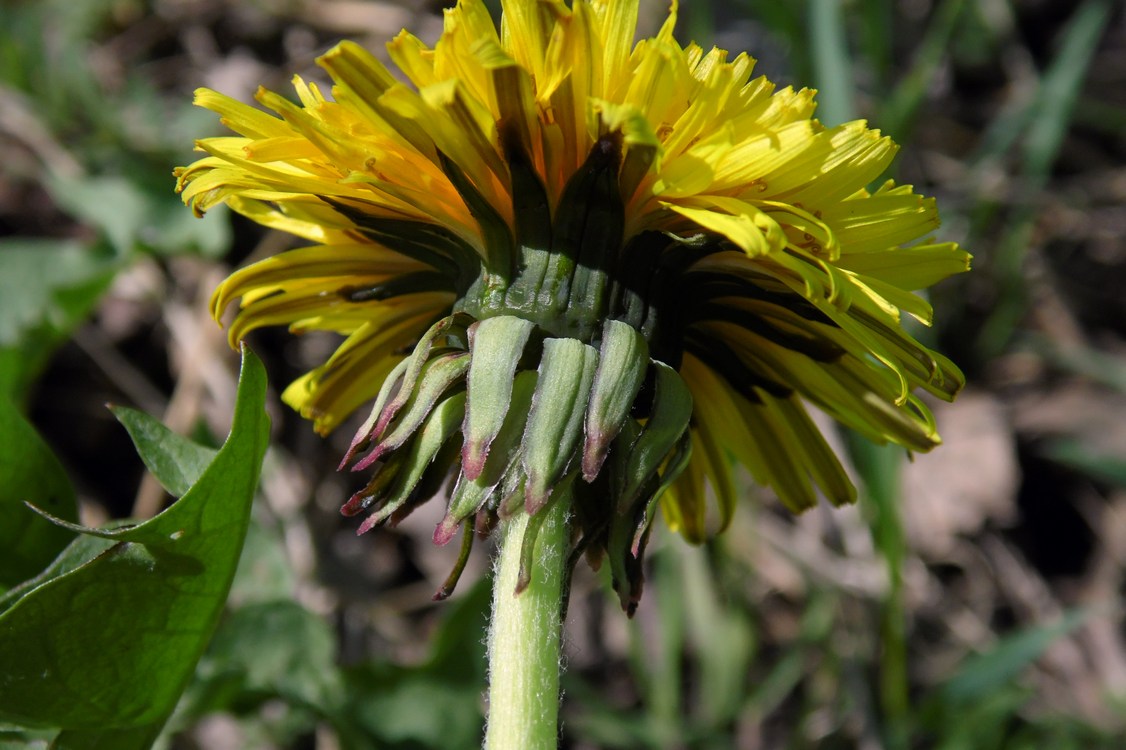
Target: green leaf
(47, 287)
(986, 673)
(1097, 464)
(435, 705)
(832, 63)
(721, 636)
(1048, 123)
(35, 276)
(141, 219)
(111, 644)
(82, 550)
(15, 738)
(140, 738)
(899, 109)
(879, 467)
(29, 473)
(264, 572)
(457, 650)
(176, 462)
(267, 650)
(20, 365)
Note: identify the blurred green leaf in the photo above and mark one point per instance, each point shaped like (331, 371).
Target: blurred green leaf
(832, 63)
(694, 634)
(34, 274)
(175, 461)
(782, 678)
(981, 725)
(604, 725)
(879, 467)
(437, 704)
(266, 650)
(785, 21)
(722, 637)
(987, 673)
(661, 656)
(264, 573)
(415, 708)
(51, 51)
(1107, 118)
(15, 738)
(139, 738)
(877, 35)
(1061, 84)
(111, 644)
(1100, 366)
(698, 22)
(29, 473)
(135, 218)
(53, 281)
(47, 287)
(1075, 453)
(900, 107)
(456, 647)
(1048, 120)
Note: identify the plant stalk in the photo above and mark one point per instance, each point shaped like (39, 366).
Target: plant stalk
(524, 635)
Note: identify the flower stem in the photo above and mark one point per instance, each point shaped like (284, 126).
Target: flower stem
(524, 635)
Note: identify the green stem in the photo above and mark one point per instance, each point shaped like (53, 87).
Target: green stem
(524, 635)
(880, 468)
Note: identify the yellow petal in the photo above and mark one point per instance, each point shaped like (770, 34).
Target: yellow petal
(241, 118)
(915, 267)
(748, 227)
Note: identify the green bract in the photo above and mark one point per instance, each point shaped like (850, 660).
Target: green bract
(536, 412)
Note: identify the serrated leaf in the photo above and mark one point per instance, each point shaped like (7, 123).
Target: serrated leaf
(111, 644)
(29, 473)
(176, 462)
(80, 551)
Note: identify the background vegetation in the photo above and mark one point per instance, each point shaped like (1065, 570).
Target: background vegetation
(971, 600)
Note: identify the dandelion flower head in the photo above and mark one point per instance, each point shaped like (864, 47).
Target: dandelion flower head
(568, 265)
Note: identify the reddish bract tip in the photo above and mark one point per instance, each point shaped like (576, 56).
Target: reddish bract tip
(536, 495)
(359, 443)
(369, 523)
(594, 455)
(369, 459)
(445, 531)
(473, 456)
(356, 504)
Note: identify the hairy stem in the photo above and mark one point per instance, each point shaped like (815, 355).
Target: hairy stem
(524, 635)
